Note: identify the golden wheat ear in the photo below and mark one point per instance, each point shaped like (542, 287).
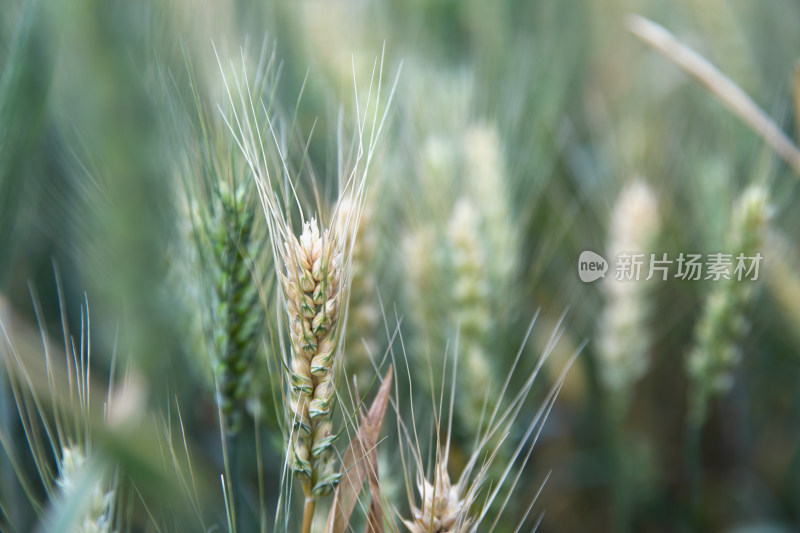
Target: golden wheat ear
(314, 271)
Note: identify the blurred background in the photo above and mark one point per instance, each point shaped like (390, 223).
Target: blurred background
(521, 133)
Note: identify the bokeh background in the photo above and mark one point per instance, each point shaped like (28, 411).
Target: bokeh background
(521, 133)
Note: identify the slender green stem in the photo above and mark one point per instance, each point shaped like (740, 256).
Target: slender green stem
(618, 458)
(694, 464)
(235, 475)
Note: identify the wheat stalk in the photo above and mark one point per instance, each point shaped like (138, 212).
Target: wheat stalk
(720, 85)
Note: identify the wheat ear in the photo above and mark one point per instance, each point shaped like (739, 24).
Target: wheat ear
(722, 325)
(237, 316)
(314, 271)
(311, 283)
(471, 313)
(623, 340)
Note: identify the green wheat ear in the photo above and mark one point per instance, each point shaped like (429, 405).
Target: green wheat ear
(237, 316)
(723, 324)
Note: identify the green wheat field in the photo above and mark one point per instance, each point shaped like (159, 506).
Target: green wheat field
(432, 266)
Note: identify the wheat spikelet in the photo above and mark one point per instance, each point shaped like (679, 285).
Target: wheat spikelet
(459, 265)
(443, 507)
(217, 273)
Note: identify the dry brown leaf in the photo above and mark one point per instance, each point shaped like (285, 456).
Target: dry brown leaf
(360, 463)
